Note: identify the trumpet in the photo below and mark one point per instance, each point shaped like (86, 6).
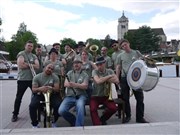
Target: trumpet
(72, 51)
(111, 91)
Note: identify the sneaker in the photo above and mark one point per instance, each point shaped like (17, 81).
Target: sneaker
(14, 118)
(35, 126)
(54, 125)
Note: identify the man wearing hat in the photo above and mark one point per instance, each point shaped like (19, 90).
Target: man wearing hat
(82, 47)
(76, 84)
(102, 77)
(60, 56)
(58, 68)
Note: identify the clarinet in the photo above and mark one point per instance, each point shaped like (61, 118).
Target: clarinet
(71, 87)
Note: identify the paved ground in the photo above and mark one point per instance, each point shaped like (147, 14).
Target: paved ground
(161, 109)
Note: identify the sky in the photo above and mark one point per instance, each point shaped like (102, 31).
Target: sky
(53, 20)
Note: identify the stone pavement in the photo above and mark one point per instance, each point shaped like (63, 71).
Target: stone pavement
(168, 128)
(161, 110)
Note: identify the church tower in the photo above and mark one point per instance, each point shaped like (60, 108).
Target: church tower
(122, 26)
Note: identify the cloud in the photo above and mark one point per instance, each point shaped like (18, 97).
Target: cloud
(53, 24)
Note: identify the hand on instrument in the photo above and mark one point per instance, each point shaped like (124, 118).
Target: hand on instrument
(45, 89)
(72, 84)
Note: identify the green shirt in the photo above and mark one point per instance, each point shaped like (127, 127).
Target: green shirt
(25, 74)
(101, 90)
(77, 78)
(87, 67)
(126, 59)
(42, 79)
(108, 62)
(57, 66)
(114, 56)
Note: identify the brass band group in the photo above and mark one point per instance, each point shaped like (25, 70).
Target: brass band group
(75, 79)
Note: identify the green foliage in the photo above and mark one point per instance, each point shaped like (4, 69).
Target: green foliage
(65, 41)
(19, 40)
(143, 39)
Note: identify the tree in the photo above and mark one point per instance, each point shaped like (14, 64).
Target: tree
(65, 41)
(19, 40)
(143, 39)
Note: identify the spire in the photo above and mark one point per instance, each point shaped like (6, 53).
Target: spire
(123, 13)
(123, 18)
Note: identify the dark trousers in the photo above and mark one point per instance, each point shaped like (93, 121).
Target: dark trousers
(21, 88)
(139, 96)
(55, 102)
(109, 111)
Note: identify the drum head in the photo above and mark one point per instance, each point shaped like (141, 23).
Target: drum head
(137, 74)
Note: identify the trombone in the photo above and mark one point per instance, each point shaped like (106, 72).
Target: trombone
(32, 69)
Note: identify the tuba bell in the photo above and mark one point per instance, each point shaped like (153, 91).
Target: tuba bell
(94, 49)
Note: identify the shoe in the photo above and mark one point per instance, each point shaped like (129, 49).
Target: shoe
(127, 119)
(35, 127)
(14, 118)
(103, 121)
(142, 121)
(54, 125)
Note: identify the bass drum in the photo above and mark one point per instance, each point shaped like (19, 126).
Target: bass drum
(142, 77)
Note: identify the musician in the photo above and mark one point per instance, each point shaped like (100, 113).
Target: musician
(69, 57)
(60, 56)
(58, 67)
(82, 47)
(43, 82)
(116, 51)
(25, 59)
(106, 57)
(88, 67)
(100, 95)
(76, 84)
(123, 63)
(38, 51)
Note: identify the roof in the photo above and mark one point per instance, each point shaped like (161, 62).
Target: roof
(158, 31)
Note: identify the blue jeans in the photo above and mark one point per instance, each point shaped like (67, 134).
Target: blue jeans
(67, 104)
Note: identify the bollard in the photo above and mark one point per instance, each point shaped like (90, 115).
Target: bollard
(160, 73)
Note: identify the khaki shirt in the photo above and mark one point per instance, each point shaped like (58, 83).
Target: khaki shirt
(77, 78)
(101, 90)
(45, 80)
(126, 59)
(25, 74)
